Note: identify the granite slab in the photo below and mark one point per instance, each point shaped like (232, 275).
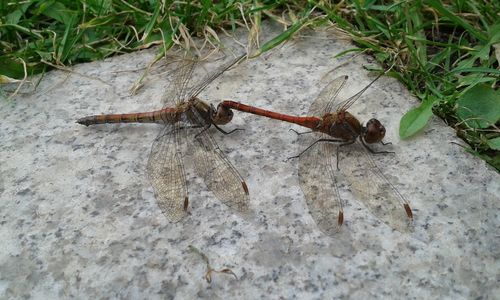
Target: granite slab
(78, 217)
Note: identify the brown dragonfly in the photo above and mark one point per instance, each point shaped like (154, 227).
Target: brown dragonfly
(319, 180)
(186, 120)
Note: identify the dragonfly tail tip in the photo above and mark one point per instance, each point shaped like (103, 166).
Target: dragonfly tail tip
(409, 213)
(245, 187)
(340, 219)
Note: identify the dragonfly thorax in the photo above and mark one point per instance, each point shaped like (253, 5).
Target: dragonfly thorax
(342, 125)
(202, 110)
(220, 116)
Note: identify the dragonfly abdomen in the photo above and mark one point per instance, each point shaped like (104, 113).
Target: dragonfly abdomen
(309, 122)
(163, 116)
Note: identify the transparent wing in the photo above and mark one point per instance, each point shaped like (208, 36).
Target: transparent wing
(219, 174)
(166, 173)
(344, 105)
(372, 188)
(165, 164)
(208, 79)
(181, 90)
(327, 98)
(176, 91)
(319, 185)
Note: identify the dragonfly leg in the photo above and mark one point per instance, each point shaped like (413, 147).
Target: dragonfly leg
(373, 151)
(310, 146)
(226, 132)
(223, 115)
(300, 133)
(344, 144)
(205, 128)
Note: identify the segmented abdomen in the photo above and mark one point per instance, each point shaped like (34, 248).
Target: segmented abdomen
(166, 115)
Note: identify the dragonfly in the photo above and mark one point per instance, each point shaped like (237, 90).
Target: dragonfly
(185, 120)
(328, 115)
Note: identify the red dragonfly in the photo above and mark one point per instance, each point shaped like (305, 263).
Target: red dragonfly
(319, 180)
(185, 114)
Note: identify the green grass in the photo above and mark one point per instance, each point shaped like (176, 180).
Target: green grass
(444, 52)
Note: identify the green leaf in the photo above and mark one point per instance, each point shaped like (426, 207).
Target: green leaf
(57, 11)
(14, 17)
(24, 30)
(348, 51)
(472, 79)
(385, 8)
(494, 33)
(476, 70)
(416, 118)
(479, 107)
(456, 19)
(10, 67)
(152, 22)
(494, 143)
(44, 55)
(284, 36)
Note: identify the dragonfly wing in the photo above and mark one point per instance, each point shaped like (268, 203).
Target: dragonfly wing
(220, 176)
(166, 174)
(372, 187)
(182, 89)
(194, 91)
(319, 185)
(327, 98)
(177, 90)
(344, 105)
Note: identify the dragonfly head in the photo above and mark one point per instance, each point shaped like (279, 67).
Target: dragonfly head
(374, 131)
(222, 115)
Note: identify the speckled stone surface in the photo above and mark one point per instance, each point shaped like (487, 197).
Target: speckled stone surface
(78, 217)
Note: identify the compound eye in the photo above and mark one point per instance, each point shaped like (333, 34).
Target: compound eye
(375, 131)
(223, 115)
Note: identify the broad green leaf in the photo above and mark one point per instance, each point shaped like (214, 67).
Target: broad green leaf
(13, 17)
(494, 33)
(494, 143)
(483, 52)
(44, 55)
(416, 118)
(11, 68)
(494, 161)
(479, 107)
(57, 11)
